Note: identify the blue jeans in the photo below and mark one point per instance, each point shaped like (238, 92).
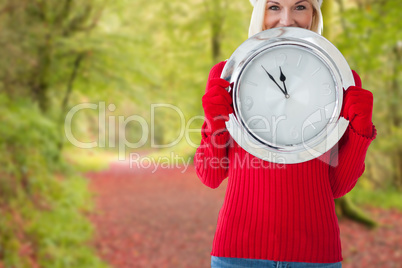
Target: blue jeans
(220, 262)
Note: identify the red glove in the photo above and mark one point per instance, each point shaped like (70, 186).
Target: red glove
(217, 104)
(358, 108)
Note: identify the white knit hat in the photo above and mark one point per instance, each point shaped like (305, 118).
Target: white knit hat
(257, 17)
(254, 1)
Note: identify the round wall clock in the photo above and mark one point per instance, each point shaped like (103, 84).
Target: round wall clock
(287, 86)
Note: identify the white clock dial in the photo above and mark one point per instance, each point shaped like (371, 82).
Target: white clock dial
(287, 85)
(286, 95)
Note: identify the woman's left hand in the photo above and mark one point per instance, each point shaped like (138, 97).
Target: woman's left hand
(358, 108)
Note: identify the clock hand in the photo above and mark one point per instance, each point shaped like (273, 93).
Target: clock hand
(270, 76)
(283, 78)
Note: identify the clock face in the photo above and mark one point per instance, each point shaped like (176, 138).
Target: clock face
(287, 85)
(286, 96)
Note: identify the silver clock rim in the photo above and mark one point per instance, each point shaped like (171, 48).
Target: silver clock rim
(317, 45)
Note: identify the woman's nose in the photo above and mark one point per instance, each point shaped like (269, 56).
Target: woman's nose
(287, 19)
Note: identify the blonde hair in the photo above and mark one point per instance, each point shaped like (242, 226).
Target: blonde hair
(258, 16)
(317, 24)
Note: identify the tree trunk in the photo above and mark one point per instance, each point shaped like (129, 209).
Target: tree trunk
(397, 178)
(344, 207)
(342, 18)
(216, 40)
(326, 9)
(66, 98)
(39, 83)
(395, 116)
(215, 10)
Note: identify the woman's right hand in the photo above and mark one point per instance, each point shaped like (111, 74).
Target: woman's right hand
(217, 104)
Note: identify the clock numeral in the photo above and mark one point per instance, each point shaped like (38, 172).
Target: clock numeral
(299, 60)
(316, 71)
(280, 59)
(321, 108)
(315, 117)
(311, 124)
(248, 103)
(294, 133)
(327, 89)
(251, 83)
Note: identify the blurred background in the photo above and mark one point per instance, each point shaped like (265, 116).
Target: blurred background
(100, 111)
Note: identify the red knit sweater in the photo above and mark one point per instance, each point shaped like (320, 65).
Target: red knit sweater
(274, 211)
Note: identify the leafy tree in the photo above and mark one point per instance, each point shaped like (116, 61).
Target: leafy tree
(40, 43)
(371, 40)
(37, 37)
(344, 206)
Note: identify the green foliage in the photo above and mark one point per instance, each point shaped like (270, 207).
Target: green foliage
(388, 199)
(57, 54)
(145, 53)
(384, 197)
(89, 160)
(43, 221)
(38, 37)
(372, 43)
(19, 119)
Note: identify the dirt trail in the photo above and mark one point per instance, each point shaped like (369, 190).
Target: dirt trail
(167, 219)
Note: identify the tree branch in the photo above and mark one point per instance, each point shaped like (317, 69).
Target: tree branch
(66, 98)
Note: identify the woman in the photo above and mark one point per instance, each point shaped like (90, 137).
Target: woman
(280, 215)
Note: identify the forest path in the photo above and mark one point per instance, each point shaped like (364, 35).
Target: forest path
(165, 217)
